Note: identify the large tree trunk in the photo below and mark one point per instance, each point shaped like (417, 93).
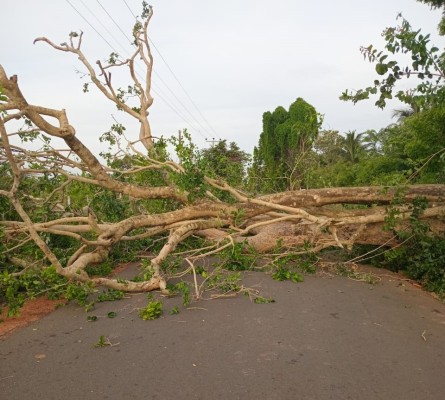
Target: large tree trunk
(315, 219)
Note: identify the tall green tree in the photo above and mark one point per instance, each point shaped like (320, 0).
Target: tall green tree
(225, 161)
(417, 143)
(371, 141)
(420, 141)
(329, 147)
(401, 113)
(352, 145)
(283, 145)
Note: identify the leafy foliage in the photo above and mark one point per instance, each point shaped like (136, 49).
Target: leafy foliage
(110, 295)
(283, 144)
(224, 281)
(16, 289)
(427, 64)
(284, 274)
(291, 154)
(423, 255)
(184, 289)
(226, 162)
(152, 311)
(238, 257)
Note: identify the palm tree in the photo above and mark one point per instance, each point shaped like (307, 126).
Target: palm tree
(403, 113)
(371, 141)
(353, 145)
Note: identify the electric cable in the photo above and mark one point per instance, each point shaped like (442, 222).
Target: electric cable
(113, 49)
(177, 80)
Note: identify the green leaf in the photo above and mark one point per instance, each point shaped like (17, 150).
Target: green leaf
(381, 69)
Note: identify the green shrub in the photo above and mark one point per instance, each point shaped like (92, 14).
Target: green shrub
(153, 310)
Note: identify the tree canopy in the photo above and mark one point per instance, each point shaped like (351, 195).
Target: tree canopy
(286, 138)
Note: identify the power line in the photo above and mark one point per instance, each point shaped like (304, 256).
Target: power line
(176, 78)
(95, 30)
(123, 48)
(134, 15)
(179, 101)
(183, 89)
(115, 23)
(113, 49)
(158, 76)
(102, 25)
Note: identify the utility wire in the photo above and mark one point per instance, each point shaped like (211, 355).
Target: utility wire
(158, 76)
(134, 15)
(102, 25)
(123, 48)
(183, 89)
(113, 49)
(95, 30)
(112, 19)
(158, 94)
(176, 78)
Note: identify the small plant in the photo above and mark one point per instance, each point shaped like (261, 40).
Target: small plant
(350, 271)
(147, 269)
(110, 295)
(112, 314)
(184, 288)
(286, 265)
(78, 292)
(171, 264)
(174, 310)
(103, 269)
(92, 318)
(263, 300)
(153, 310)
(103, 342)
(307, 267)
(344, 270)
(225, 281)
(284, 274)
(239, 257)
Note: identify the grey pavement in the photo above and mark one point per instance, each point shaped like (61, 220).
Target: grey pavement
(326, 338)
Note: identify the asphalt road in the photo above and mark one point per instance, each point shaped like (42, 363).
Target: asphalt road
(326, 338)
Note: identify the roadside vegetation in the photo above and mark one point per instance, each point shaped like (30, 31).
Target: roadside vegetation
(69, 216)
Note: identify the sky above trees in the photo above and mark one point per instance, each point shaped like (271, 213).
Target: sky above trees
(235, 59)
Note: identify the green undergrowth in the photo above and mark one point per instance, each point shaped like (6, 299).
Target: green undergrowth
(16, 289)
(422, 255)
(288, 265)
(350, 271)
(153, 309)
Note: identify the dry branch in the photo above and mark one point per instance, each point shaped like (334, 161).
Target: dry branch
(318, 216)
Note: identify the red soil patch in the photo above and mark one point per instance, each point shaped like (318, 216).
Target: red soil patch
(37, 308)
(32, 311)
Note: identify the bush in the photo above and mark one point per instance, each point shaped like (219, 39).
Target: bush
(422, 256)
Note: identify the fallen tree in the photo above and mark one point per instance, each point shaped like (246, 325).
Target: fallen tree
(191, 202)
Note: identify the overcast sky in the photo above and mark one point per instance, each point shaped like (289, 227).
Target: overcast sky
(235, 58)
